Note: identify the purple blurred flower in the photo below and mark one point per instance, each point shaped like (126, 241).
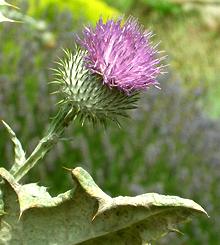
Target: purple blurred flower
(122, 54)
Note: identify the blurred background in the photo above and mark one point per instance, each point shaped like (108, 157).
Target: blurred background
(171, 143)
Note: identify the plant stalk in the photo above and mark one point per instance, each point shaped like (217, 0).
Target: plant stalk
(56, 129)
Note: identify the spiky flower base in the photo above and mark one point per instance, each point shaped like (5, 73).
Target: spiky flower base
(86, 95)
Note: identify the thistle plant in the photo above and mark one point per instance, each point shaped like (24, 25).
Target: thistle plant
(99, 82)
(101, 79)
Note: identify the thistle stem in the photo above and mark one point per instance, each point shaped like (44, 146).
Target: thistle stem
(56, 129)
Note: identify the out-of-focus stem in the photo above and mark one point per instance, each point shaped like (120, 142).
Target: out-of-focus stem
(56, 129)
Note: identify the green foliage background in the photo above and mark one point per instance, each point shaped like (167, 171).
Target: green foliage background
(171, 143)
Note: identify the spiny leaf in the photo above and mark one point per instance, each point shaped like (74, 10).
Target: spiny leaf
(19, 152)
(86, 215)
(32, 195)
(5, 19)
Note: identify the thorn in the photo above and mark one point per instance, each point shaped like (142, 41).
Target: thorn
(55, 92)
(19, 218)
(68, 169)
(54, 82)
(176, 230)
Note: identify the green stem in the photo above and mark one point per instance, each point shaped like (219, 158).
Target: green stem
(56, 129)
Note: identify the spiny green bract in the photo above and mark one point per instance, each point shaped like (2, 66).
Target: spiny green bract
(85, 94)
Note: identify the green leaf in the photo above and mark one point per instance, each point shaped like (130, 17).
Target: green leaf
(19, 152)
(86, 215)
(4, 3)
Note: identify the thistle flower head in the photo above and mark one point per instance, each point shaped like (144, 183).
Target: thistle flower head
(85, 96)
(103, 80)
(122, 54)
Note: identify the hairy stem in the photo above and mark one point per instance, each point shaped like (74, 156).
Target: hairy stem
(56, 129)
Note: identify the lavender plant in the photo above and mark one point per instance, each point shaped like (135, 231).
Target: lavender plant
(99, 83)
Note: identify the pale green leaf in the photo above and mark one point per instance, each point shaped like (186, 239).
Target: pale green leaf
(19, 152)
(4, 3)
(5, 19)
(86, 215)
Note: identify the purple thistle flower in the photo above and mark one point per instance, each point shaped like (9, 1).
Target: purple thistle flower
(122, 54)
